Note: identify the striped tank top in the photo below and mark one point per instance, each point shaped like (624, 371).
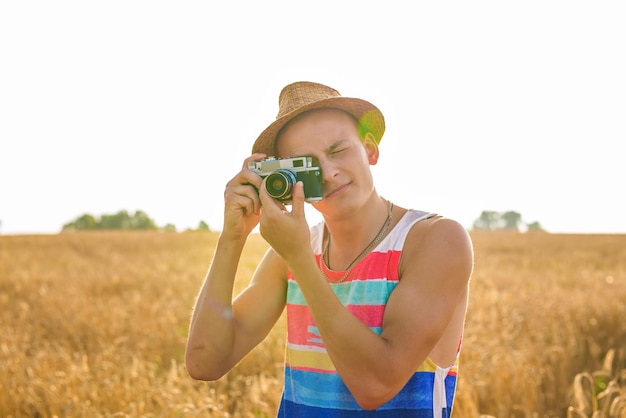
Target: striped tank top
(312, 386)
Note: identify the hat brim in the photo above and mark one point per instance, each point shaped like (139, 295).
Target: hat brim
(369, 116)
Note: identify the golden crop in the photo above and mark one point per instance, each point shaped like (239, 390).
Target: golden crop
(94, 324)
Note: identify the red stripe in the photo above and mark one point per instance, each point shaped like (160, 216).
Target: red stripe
(378, 265)
(300, 319)
(375, 265)
(370, 315)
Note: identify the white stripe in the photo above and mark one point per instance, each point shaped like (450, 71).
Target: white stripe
(439, 391)
(394, 241)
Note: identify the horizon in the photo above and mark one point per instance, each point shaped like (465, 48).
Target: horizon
(316, 217)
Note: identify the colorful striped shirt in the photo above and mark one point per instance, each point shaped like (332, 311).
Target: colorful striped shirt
(312, 386)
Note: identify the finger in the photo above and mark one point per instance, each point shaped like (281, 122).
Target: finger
(245, 184)
(266, 199)
(248, 178)
(297, 199)
(270, 205)
(244, 198)
(254, 157)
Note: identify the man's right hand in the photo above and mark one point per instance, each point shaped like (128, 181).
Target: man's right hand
(242, 206)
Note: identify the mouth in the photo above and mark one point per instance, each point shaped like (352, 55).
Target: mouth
(336, 191)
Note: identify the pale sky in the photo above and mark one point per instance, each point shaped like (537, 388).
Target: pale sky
(153, 105)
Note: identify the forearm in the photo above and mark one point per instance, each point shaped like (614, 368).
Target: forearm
(362, 358)
(212, 329)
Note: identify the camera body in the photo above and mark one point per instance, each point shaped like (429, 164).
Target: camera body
(283, 174)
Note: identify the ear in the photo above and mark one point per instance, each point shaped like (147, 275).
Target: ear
(371, 148)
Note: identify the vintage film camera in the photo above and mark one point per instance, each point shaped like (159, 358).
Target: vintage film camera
(283, 173)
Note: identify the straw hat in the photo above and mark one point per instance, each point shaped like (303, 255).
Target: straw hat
(297, 98)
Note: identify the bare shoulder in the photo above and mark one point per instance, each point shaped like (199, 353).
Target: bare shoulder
(445, 231)
(439, 243)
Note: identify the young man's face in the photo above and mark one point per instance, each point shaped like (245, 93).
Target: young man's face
(331, 136)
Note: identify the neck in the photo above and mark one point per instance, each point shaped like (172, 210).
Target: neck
(352, 234)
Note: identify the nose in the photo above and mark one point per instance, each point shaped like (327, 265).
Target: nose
(329, 169)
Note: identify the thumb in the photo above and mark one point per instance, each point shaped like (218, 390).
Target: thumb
(297, 199)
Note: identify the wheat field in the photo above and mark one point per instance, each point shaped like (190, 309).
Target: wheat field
(94, 324)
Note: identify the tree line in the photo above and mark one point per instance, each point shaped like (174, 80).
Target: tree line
(488, 221)
(122, 220)
(504, 221)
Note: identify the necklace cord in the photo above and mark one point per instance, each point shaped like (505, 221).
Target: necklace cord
(324, 257)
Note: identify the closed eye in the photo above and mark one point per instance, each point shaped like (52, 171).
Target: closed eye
(338, 148)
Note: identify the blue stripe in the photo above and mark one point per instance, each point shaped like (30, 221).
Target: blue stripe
(358, 292)
(317, 389)
(290, 410)
(328, 391)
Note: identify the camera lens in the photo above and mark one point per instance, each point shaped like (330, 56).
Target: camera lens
(280, 183)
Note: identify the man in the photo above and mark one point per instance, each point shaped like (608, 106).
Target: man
(376, 294)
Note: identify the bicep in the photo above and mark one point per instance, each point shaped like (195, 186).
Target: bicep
(432, 292)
